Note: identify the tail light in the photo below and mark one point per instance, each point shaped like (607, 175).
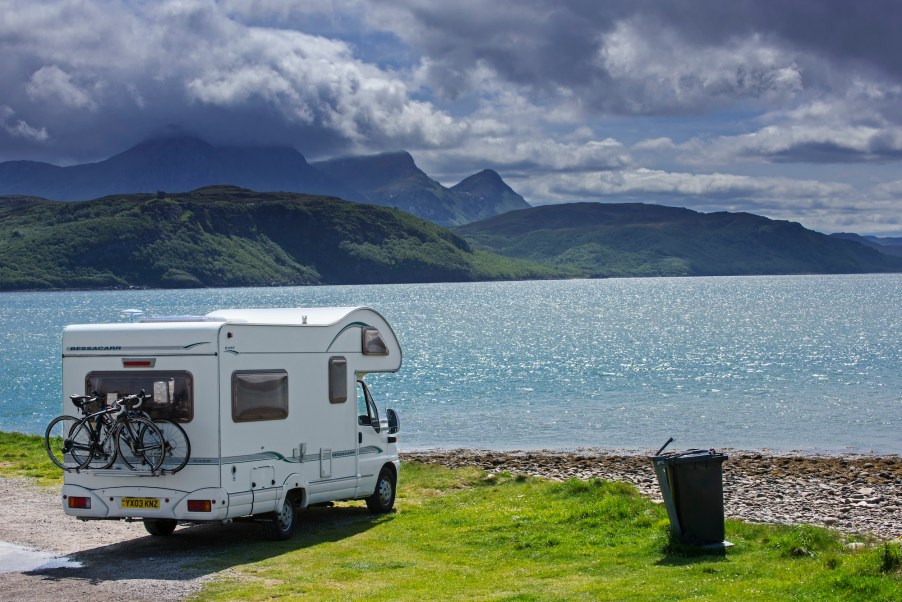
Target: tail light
(83, 503)
(200, 506)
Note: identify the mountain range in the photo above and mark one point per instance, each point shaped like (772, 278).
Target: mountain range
(637, 239)
(179, 163)
(230, 236)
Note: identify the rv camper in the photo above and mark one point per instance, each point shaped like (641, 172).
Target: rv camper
(273, 403)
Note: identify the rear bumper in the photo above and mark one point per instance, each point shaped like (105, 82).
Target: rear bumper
(112, 503)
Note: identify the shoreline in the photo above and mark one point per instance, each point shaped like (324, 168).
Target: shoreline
(854, 493)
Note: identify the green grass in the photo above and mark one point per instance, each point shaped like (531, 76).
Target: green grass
(24, 456)
(465, 535)
(461, 536)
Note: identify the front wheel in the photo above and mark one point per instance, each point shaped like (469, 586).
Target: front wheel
(94, 447)
(283, 522)
(59, 443)
(383, 498)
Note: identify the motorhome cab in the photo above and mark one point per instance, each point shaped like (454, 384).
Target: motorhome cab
(273, 403)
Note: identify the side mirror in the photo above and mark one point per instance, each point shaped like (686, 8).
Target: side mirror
(394, 421)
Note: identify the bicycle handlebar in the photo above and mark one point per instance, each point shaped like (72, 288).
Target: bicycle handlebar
(133, 401)
(137, 399)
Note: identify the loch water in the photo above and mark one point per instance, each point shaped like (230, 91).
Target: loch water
(786, 363)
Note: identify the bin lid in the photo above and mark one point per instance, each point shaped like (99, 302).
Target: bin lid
(690, 455)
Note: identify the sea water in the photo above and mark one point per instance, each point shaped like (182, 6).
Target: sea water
(786, 363)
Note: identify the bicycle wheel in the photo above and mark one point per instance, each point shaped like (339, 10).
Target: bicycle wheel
(58, 442)
(94, 447)
(140, 444)
(178, 448)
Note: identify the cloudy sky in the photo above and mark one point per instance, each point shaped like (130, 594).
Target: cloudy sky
(789, 109)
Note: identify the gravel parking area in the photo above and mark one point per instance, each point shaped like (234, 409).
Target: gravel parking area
(108, 560)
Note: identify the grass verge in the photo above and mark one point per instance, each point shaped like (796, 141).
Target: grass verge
(466, 535)
(25, 456)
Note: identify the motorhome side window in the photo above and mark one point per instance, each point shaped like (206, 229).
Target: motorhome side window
(171, 393)
(338, 379)
(259, 395)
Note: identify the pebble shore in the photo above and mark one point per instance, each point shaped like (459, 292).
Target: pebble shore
(851, 493)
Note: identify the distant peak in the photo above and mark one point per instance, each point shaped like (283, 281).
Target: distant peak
(487, 178)
(487, 174)
(398, 159)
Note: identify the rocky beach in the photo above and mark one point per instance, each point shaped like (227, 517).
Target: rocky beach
(852, 493)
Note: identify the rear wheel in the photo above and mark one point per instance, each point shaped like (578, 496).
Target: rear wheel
(59, 443)
(283, 522)
(383, 498)
(177, 446)
(160, 526)
(140, 444)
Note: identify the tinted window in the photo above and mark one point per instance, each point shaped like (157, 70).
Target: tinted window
(171, 393)
(259, 395)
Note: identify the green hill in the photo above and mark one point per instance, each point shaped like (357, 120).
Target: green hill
(636, 239)
(228, 236)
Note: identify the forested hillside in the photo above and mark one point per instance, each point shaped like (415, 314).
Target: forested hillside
(228, 236)
(635, 239)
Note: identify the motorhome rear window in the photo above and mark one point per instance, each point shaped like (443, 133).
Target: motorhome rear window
(171, 392)
(259, 395)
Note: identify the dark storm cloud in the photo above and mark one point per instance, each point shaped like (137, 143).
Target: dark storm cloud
(709, 52)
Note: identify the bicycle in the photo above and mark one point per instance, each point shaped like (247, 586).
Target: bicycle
(177, 446)
(97, 439)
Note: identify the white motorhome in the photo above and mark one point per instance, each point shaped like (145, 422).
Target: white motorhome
(267, 400)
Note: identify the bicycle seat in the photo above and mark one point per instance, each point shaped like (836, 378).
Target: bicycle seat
(81, 400)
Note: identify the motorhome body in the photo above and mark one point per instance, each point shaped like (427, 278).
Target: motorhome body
(267, 399)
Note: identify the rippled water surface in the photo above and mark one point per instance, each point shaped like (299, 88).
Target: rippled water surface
(802, 362)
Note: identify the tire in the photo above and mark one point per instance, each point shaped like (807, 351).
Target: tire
(160, 527)
(283, 522)
(383, 498)
(58, 443)
(178, 448)
(100, 453)
(140, 444)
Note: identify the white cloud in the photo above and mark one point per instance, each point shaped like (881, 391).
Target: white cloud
(52, 84)
(18, 128)
(653, 182)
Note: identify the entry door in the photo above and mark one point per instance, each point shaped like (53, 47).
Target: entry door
(371, 441)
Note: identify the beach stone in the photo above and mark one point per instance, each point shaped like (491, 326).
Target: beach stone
(785, 488)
